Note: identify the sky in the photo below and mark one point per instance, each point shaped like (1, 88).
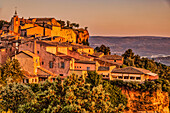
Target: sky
(102, 17)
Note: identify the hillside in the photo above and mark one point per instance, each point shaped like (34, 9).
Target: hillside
(144, 46)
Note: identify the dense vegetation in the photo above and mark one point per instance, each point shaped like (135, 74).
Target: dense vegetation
(73, 95)
(104, 49)
(151, 86)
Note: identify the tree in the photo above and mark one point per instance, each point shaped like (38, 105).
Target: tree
(104, 49)
(128, 54)
(77, 26)
(48, 98)
(86, 28)
(118, 99)
(94, 78)
(13, 95)
(85, 42)
(74, 95)
(2, 22)
(11, 71)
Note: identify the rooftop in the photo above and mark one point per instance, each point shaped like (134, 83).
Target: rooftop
(133, 70)
(98, 54)
(29, 53)
(85, 62)
(103, 68)
(41, 71)
(107, 61)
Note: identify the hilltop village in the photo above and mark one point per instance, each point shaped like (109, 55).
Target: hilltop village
(47, 48)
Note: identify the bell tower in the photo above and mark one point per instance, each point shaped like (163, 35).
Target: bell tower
(15, 22)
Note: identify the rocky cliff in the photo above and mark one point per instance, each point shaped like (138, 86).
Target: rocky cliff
(142, 102)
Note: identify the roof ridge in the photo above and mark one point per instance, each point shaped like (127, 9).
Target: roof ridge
(45, 70)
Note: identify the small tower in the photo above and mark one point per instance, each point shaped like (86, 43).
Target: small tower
(15, 11)
(15, 22)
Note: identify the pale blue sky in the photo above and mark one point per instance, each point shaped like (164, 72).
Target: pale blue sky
(103, 17)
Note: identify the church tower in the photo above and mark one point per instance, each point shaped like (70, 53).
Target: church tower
(15, 23)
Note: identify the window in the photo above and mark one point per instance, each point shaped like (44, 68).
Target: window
(61, 74)
(114, 60)
(26, 44)
(133, 78)
(51, 64)
(36, 60)
(32, 80)
(138, 78)
(80, 66)
(27, 80)
(88, 68)
(120, 77)
(37, 52)
(75, 66)
(114, 76)
(35, 80)
(42, 63)
(62, 65)
(126, 77)
(103, 75)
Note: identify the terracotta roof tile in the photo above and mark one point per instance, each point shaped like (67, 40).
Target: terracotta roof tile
(42, 71)
(29, 53)
(105, 60)
(85, 62)
(98, 54)
(103, 68)
(131, 70)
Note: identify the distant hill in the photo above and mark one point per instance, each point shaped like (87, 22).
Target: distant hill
(146, 46)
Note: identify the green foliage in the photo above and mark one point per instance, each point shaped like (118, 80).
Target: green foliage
(117, 99)
(2, 22)
(104, 49)
(74, 25)
(10, 72)
(134, 60)
(74, 95)
(85, 42)
(94, 78)
(151, 86)
(13, 95)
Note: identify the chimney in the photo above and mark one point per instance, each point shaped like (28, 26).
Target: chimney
(35, 45)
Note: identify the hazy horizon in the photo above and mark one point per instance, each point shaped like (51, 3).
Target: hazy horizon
(102, 17)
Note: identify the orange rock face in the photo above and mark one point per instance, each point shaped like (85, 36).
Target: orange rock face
(144, 102)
